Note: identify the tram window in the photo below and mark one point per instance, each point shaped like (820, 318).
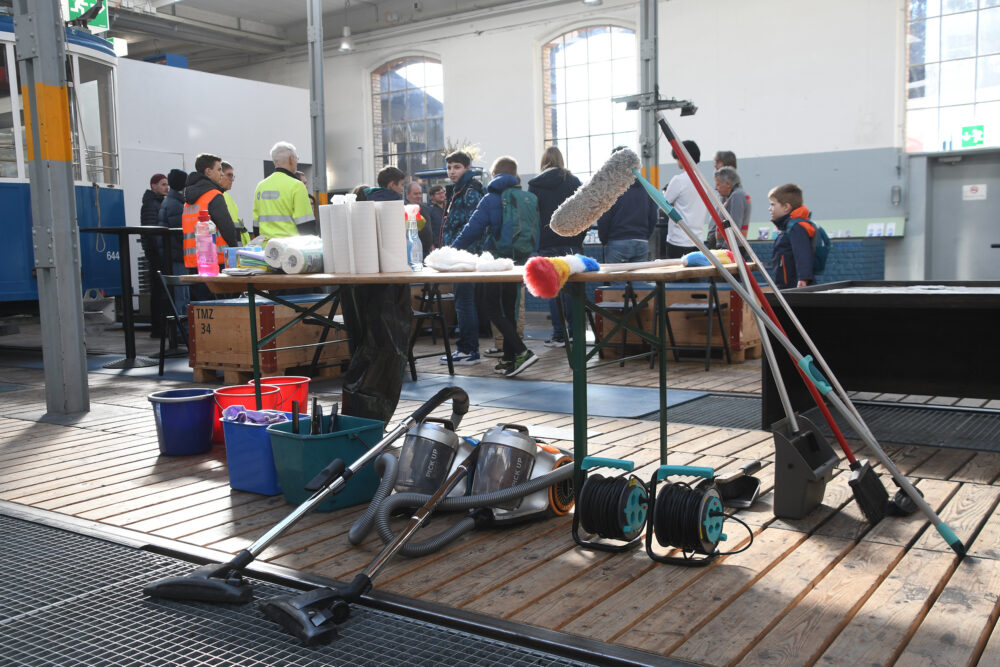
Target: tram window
(97, 122)
(8, 151)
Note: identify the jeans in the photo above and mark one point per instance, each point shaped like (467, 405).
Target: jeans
(468, 319)
(557, 323)
(631, 250)
(182, 295)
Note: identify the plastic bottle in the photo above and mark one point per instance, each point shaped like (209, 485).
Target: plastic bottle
(414, 248)
(204, 238)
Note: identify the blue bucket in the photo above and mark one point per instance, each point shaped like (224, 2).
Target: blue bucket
(249, 458)
(183, 420)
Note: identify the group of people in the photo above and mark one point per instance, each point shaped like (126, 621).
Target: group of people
(792, 253)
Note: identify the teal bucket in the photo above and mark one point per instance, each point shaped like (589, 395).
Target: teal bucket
(183, 420)
(299, 457)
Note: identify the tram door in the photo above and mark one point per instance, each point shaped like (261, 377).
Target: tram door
(964, 217)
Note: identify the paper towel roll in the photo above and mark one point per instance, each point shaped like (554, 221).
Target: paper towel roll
(272, 252)
(277, 249)
(303, 260)
(343, 255)
(391, 237)
(364, 237)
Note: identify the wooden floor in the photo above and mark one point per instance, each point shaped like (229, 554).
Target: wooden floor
(827, 589)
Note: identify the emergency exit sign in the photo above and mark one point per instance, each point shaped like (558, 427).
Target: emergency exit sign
(972, 135)
(78, 8)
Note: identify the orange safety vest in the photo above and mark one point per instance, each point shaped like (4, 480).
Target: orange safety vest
(188, 221)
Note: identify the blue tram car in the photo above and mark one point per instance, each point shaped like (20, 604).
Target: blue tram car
(91, 64)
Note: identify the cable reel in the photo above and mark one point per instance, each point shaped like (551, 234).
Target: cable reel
(612, 509)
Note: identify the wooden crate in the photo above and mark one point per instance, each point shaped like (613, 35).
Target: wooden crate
(690, 329)
(220, 340)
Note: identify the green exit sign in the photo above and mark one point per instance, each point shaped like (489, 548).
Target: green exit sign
(78, 8)
(972, 135)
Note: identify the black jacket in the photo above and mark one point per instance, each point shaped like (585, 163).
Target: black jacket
(150, 208)
(553, 187)
(632, 217)
(197, 185)
(171, 211)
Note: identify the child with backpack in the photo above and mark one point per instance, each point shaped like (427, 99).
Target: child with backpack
(506, 220)
(801, 247)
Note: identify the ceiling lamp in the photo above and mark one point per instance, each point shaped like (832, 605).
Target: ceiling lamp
(592, 2)
(346, 43)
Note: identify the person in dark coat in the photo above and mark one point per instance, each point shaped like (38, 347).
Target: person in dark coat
(152, 247)
(170, 214)
(553, 186)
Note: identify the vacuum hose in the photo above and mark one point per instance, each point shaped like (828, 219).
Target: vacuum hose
(384, 508)
(385, 466)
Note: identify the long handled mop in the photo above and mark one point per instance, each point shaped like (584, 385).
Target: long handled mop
(815, 379)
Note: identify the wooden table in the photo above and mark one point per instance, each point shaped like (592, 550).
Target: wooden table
(265, 284)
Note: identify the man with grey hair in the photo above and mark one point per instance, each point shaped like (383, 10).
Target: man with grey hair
(281, 203)
(735, 200)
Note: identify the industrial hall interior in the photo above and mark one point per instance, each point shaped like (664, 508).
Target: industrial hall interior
(527, 332)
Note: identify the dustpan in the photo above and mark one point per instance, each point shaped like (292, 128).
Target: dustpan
(740, 489)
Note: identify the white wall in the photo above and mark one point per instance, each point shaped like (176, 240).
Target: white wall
(770, 77)
(168, 115)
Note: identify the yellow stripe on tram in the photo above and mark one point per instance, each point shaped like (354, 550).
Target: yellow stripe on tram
(53, 123)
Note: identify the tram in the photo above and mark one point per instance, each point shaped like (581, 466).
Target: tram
(100, 202)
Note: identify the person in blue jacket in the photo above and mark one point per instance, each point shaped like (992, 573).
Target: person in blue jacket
(792, 254)
(500, 300)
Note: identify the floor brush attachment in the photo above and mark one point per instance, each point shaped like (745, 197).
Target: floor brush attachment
(869, 491)
(313, 617)
(215, 582)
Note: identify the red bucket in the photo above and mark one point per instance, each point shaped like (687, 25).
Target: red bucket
(242, 394)
(293, 388)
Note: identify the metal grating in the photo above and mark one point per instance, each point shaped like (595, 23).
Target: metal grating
(921, 425)
(722, 411)
(69, 600)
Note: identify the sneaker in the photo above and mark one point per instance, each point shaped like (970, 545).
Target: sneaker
(458, 357)
(521, 362)
(502, 367)
(470, 359)
(493, 352)
(555, 342)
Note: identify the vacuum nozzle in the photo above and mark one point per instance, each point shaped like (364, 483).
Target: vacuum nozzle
(209, 583)
(312, 617)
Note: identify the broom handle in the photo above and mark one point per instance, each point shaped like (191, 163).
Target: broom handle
(635, 266)
(765, 342)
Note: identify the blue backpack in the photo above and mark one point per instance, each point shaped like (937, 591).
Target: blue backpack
(821, 244)
(519, 232)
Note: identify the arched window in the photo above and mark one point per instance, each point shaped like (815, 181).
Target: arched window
(582, 71)
(408, 113)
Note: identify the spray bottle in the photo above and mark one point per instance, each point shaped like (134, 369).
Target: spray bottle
(207, 253)
(414, 248)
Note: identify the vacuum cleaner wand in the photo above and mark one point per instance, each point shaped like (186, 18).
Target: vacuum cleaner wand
(224, 582)
(312, 617)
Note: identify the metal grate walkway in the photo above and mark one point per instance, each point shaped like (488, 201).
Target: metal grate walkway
(70, 599)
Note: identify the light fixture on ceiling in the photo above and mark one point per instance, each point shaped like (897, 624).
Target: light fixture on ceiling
(346, 42)
(593, 2)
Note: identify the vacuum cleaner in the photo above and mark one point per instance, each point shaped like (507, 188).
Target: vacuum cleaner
(507, 477)
(223, 582)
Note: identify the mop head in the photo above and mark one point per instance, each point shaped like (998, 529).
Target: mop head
(545, 276)
(581, 211)
(451, 259)
(487, 262)
(697, 258)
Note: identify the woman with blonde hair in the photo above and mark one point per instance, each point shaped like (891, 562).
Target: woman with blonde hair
(553, 186)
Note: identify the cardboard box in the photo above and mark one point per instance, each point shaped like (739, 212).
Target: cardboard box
(220, 338)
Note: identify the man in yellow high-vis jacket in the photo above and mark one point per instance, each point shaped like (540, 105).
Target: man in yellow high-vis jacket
(281, 203)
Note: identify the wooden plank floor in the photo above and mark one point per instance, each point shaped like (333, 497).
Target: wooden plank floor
(826, 589)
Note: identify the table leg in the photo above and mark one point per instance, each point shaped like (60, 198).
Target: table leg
(128, 317)
(661, 341)
(254, 345)
(578, 360)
